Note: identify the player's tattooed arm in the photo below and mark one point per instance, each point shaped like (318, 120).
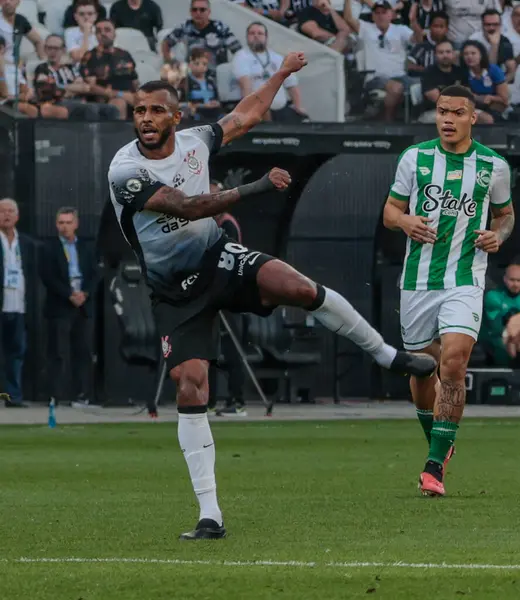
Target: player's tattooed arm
(251, 109)
(174, 202)
(171, 201)
(503, 222)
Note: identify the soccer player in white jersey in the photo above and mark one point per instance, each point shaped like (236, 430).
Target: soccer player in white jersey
(440, 198)
(159, 188)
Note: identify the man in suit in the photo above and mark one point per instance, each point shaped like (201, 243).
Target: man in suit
(18, 274)
(68, 273)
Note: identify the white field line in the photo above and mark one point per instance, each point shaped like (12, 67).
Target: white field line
(262, 563)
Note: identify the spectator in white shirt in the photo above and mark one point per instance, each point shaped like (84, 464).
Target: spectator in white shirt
(254, 65)
(514, 37)
(79, 40)
(386, 49)
(498, 46)
(13, 27)
(465, 17)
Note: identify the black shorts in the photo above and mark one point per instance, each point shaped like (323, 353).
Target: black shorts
(187, 314)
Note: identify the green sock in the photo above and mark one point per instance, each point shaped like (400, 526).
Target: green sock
(443, 438)
(426, 420)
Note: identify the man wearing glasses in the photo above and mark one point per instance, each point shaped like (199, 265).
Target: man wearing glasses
(385, 46)
(202, 31)
(62, 85)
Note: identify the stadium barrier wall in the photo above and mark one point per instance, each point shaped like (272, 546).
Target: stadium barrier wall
(325, 225)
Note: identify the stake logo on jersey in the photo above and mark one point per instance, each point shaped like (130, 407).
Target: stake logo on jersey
(450, 206)
(454, 191)
(165, 244)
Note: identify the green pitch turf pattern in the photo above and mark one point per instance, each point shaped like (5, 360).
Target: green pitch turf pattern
(304, 504)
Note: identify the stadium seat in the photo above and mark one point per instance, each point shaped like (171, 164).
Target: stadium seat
(282, 358)
(27, 52)
(54, 11)
(148, 58)
(129, 296)
(163, 34)
(131, 40)
(29, 9)
(227, 85)
(146, 72)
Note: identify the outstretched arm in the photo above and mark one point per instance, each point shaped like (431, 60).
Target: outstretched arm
(171, 201)
(250, 111)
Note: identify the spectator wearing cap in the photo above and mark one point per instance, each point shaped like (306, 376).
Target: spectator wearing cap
(144, 15)
(110, 71)
(386, 48)
(203, 32)
(322, 23)
(498, 46)
(254, 65)
(422, 55)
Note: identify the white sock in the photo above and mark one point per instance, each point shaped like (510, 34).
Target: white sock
(198, 447)
(338, 315)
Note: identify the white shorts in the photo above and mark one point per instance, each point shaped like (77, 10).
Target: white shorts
(428, 314)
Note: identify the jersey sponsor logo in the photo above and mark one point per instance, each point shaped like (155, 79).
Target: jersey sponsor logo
(454, 175)
(244, 259)
(476, 318)
(166, 346)
(450, 206)
(194, 164)
(171, 223)
(189, 281)
(483, 178)
(424, 171)
(178, 180)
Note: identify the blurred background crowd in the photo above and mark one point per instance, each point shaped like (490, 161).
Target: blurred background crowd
(85, 60)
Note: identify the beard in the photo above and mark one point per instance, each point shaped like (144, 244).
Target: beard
(258, 47)
(163, 138)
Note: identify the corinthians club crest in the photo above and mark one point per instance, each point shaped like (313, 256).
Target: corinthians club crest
(194, 164)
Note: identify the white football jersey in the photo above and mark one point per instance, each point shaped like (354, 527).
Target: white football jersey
(165, 245)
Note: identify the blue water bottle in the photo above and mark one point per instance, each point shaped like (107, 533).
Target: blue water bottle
(52, 413)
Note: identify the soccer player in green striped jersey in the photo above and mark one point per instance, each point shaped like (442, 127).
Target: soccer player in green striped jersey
(441, 196)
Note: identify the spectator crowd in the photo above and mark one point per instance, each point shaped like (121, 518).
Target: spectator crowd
(398, 56)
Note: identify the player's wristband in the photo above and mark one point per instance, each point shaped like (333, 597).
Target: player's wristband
(257, 187)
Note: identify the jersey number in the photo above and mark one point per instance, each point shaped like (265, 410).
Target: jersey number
(227, 257)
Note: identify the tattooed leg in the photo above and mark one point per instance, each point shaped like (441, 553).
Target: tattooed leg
(449, 406)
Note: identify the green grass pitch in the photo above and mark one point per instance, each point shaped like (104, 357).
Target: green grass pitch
(314, 510)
